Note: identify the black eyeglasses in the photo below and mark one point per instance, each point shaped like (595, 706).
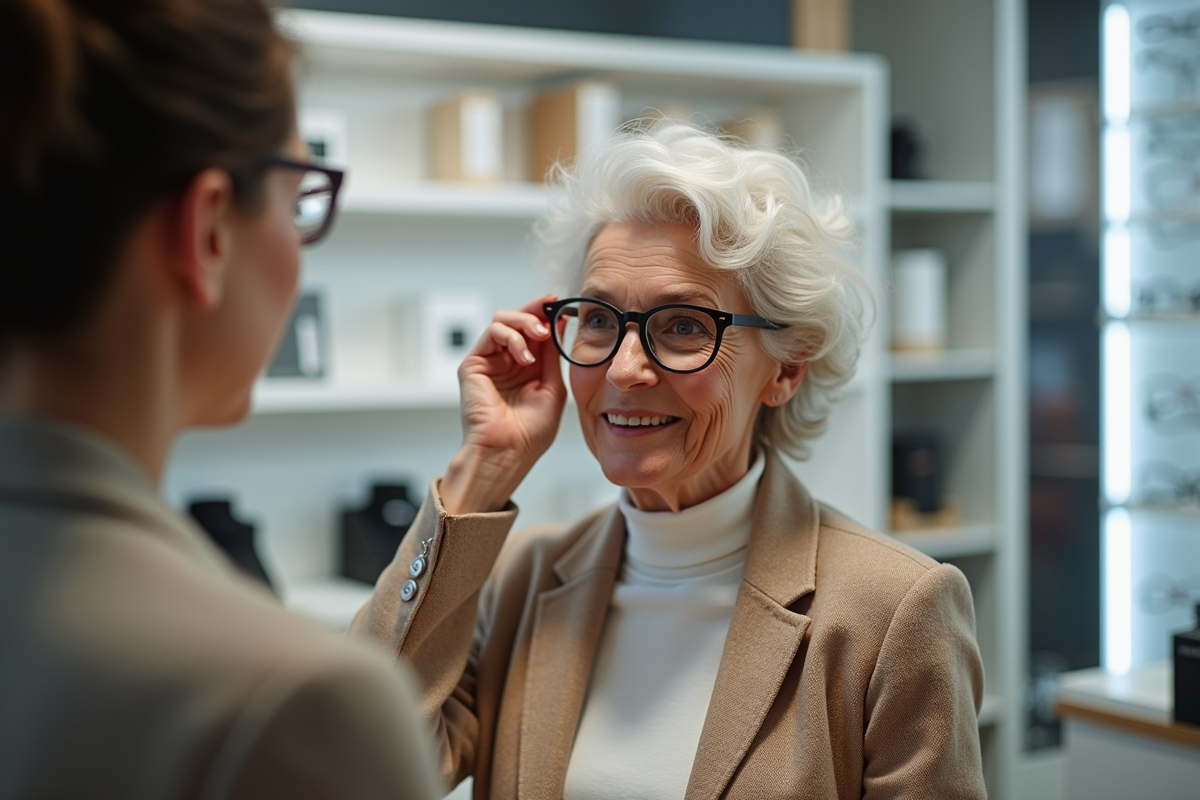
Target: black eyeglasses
(1164, 296)
(316, 200)
(678, 337)
(1173, 402)
(1165, 484)
(1164, 27)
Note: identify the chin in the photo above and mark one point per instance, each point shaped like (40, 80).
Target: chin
(634, 470)
(227, 414)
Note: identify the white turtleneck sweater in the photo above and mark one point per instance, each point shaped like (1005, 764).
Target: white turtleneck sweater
(658, 657)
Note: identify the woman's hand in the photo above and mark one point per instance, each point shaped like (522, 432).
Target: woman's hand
(512, 402)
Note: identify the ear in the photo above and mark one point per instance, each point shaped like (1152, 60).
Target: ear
(205, 218)
(784, 385)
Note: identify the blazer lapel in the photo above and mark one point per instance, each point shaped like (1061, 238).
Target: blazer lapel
(764, 635)
(566, 632)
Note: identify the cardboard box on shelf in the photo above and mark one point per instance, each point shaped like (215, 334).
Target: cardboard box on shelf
(566, 120)
(821, 24)
(466, 136)
(759, 127)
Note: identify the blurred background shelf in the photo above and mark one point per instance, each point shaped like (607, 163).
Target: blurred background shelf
(331, 601)
(942, 196)
(943, 365)
(434, 199)
(280, 396)
(956, 542)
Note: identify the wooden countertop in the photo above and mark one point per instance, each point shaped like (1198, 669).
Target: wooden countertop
(1139, 702)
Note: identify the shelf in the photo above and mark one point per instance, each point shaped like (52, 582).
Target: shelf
(521, 201)
(331, 601)
(1188, 510)
(1179, 216)
(942, 197)
(1137, 316)
(991, 710)
(956, 542)
(943, 365)
(1179, 108)
(283, 396)
(441, 50)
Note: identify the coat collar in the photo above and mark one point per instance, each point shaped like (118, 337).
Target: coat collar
(567, 627)
(763, 639)
(764, 635)
(52, 463)
(782, 558)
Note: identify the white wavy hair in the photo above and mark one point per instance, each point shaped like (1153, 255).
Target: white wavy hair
(755, 213)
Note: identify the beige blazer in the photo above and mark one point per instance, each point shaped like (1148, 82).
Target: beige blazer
(850, 668)
(135, 663)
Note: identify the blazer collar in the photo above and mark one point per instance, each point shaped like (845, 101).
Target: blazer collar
(567, 627)
(765, 634)
(68, 467)
(782, 558)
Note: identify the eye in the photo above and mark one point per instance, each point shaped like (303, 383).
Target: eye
(597, 319)
(685, 327)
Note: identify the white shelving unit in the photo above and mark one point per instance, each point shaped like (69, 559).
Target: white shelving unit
(312, 447)
(957, 77)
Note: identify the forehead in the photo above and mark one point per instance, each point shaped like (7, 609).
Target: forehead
(652, 264)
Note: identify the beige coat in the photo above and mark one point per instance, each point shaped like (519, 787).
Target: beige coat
(850, 668)
(135, 664)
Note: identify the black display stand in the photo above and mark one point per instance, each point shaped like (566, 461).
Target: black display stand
(235, 537)
(371, 535)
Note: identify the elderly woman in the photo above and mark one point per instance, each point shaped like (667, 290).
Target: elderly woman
(716, 632)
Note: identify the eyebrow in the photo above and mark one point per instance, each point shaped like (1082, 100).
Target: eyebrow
(667, 297)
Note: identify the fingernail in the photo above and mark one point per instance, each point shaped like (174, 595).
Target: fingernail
(527, 357)
(541, 328)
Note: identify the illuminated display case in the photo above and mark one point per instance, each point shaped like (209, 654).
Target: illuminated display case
(1151, 327)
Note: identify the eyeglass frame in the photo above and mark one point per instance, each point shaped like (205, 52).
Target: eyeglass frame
(336, 178)
(722, 319)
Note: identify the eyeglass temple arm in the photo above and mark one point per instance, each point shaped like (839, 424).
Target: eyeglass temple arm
(752, 321)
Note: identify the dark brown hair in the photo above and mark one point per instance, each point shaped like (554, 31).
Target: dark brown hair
(107, 107)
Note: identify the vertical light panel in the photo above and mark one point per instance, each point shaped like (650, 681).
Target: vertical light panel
(1117, 401)
(1118, 177)
(1117, 262)
(1118, 591)
(1118, 409)
(1117, 44)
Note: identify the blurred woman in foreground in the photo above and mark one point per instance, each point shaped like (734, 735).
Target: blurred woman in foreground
(154, 195)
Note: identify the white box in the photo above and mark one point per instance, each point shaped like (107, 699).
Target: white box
(433, 331)
(919, 302)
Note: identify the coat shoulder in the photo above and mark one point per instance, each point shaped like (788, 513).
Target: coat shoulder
(875, 567)
(842, 532)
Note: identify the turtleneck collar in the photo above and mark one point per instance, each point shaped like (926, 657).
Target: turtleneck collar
(701, 540)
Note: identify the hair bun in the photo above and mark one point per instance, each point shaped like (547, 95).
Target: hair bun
(37, 82)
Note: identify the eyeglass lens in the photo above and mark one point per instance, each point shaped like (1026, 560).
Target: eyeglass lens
(314, 202)
(680, 338)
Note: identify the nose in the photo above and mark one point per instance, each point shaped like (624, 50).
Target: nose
(631, 366)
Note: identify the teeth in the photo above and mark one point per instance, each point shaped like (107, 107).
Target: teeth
(633, 422)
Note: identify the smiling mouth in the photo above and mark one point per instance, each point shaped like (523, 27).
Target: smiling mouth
(636, 422)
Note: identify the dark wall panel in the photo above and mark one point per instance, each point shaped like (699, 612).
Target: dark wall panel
(751, 21)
